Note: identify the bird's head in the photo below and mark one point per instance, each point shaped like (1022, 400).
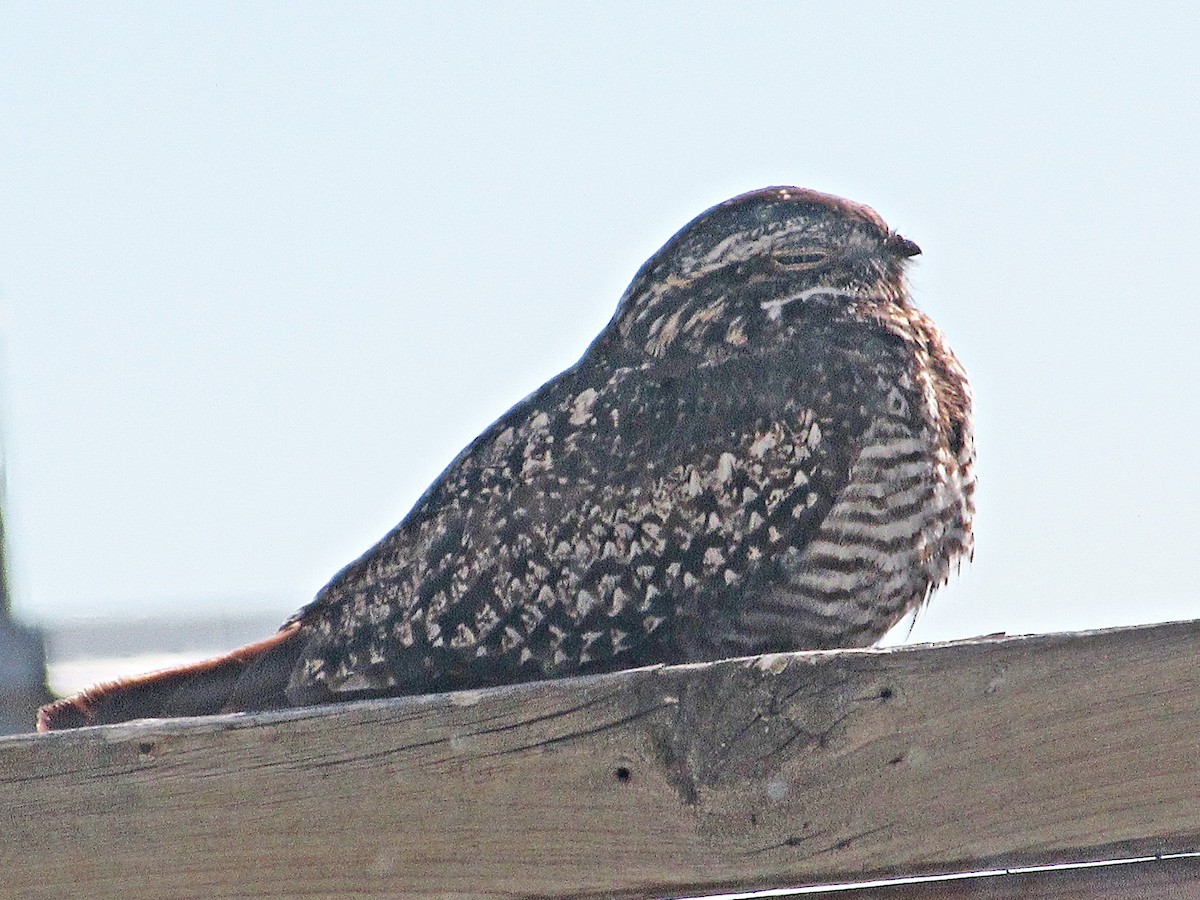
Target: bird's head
(736, 272)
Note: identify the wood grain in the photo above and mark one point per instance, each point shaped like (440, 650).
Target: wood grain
(1154, 879)
(795, 769)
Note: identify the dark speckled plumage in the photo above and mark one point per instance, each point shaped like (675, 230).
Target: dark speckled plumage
(767, 448)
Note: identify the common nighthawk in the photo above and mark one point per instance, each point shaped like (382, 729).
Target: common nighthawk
(768, 448)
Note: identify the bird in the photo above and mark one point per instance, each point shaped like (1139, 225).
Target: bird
(768, 448)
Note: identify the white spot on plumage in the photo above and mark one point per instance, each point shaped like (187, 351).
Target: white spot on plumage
(532, 616)
(774, 307)
(404, 632)
(581, 408)
(585, 601)
(510, 639)
(620, 599)
(724, 470)
(760, 447)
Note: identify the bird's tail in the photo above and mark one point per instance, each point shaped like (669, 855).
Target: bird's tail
(251, 678)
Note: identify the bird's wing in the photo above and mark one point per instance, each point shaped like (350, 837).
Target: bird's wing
(615, 517)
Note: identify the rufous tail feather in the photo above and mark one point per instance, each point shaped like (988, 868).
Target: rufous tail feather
(251, 678)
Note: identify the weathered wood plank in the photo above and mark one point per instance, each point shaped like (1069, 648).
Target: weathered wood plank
(796, 769)
(1161, 879)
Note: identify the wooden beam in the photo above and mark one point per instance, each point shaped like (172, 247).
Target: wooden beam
(1150, 879)
(784, 770)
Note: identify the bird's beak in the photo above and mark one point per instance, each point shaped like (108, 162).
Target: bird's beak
(902, 246)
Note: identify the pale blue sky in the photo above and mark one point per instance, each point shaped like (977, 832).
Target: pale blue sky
(265, 268)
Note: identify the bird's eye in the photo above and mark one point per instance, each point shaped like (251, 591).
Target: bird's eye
(801, 258)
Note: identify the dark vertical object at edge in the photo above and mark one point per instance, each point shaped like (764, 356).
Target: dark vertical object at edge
(22, 660)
